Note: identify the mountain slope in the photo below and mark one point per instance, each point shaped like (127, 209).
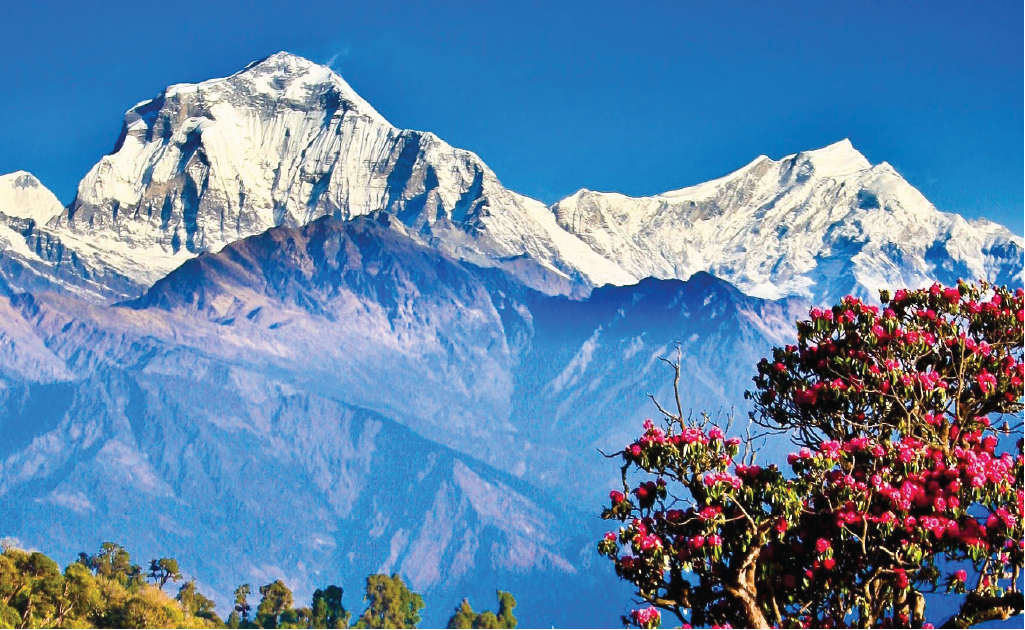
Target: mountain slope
(334, 399)
(818, 224)
(23, 196)
(304, 300)
(256, 487)
(24, 201)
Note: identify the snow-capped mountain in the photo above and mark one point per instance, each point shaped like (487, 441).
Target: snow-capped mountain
(818, 224)
(24, 197)
(32, 257)
(285, 141)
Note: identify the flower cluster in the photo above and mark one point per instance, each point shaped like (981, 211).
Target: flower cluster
(902, 482)
(923, 351)
(646, 618)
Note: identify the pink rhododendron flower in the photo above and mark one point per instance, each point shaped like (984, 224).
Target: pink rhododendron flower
(987, 382)
(646, 617)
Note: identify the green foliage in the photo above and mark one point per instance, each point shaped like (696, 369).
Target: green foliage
(390, 604)
(82, 593)
(276, 602)
(195, 603)
(113, 562)
(242, 606)
(506, 603)
(327, 610)
(9, 617)
(164, 570)
(30, 588)
(465, 617)
(105, 590)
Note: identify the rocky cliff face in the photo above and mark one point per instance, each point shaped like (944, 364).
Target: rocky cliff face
(33, 257)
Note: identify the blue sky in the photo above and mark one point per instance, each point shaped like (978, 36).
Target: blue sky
(638, 97)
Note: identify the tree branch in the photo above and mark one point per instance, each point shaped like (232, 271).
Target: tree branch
(977, 609)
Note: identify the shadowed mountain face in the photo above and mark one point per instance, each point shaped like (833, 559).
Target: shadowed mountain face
(322, 402)
(479, 357)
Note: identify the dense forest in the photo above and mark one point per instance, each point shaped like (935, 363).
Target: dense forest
(108, 590)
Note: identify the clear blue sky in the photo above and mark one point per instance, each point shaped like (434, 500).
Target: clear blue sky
(637, 97)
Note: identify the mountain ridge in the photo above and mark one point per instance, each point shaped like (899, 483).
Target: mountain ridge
(839, 225)
(340, 398)
(284, 141)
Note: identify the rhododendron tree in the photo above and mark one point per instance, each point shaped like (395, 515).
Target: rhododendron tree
(901, 485)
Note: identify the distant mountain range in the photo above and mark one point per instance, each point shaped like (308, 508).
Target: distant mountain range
(286, 141)
(275, 336)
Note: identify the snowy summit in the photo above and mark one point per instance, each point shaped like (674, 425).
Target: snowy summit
(286, 141)
(817, 224)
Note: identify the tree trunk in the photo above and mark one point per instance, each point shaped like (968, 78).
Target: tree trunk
(744, 595)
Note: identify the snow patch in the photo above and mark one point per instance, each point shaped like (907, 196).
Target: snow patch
(577, 365)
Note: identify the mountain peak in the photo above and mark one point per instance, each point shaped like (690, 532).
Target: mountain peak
(834, 160)
(282, 58)
(278, 71)
(23, 195)
(20, 179)
(283, 76)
